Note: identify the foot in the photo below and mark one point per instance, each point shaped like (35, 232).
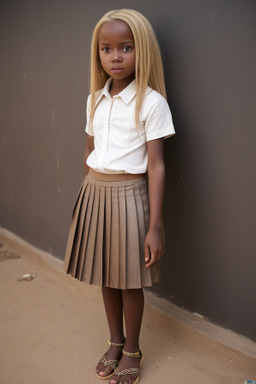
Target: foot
(127, 362)
(109, 361)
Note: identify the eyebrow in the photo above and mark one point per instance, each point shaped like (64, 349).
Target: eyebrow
(123, 42)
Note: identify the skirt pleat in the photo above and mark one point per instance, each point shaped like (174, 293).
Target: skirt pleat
(122, 238)
(133, 261)
(88, 244)
(107, 229)
(113, 271)
(96, 277)
(143, 219)
(106, 240)
(75, 235)
(85, 218)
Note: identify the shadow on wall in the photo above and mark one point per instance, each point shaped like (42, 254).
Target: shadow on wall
(210, 262)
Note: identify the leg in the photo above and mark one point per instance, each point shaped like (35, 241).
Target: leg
(133, 303)
(113, 303)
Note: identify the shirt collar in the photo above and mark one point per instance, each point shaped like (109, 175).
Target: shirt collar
(127, 94)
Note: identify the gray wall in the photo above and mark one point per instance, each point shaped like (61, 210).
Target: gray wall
(209, 56)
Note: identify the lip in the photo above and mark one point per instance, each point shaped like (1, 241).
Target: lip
(116, 70)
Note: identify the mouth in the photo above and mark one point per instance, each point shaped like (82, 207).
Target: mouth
(116, 70)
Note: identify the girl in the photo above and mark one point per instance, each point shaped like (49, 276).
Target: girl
(116, 234)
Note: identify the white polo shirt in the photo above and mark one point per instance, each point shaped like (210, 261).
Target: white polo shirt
(120, 146)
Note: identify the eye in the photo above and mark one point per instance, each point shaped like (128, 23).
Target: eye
(106, 49)
(126, 48)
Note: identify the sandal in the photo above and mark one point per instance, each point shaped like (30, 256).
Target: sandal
(130, 371)
(109, 363)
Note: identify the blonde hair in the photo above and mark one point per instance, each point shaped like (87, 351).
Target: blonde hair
(148, 61)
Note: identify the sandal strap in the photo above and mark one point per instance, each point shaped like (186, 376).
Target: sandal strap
(134, 355)
(108, 363)
(128, 371)
(111, 343)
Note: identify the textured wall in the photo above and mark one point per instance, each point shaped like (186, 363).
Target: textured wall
(209, 56)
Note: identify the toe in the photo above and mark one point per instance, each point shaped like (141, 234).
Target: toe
(107, 371)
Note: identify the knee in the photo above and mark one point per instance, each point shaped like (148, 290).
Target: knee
(132, 292)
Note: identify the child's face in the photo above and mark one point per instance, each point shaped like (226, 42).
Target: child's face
(117, 52)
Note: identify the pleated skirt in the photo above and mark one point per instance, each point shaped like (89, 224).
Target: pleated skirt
(106, 239)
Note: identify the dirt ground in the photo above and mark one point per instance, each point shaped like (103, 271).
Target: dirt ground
(53, 330)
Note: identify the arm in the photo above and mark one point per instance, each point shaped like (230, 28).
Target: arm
(154, 244)
(89, 147)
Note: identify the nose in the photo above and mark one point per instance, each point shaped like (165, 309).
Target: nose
(116, 57)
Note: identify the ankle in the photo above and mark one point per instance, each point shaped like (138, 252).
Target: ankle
(132, 355)
(117, 342)
(131, 347)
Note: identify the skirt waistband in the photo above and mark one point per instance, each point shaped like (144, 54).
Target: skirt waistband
(114, 176)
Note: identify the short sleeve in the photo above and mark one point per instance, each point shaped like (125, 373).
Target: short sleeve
(158, 122)
(88, 129)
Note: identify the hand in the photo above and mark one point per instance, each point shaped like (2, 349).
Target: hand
(153, 246)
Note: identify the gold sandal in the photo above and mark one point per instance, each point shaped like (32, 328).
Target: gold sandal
(130, 371)
(109, 363)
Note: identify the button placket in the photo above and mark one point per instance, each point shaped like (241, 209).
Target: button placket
(105, 133)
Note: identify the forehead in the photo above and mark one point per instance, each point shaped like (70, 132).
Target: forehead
(115, 30)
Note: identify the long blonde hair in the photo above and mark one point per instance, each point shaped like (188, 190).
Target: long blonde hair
(148, 61)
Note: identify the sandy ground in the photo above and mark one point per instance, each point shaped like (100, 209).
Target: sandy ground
(53, 330)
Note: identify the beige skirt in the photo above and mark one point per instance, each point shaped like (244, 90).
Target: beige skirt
(106, 240)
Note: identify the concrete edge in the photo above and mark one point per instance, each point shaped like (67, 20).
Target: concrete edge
(194, 321)
(202, 326)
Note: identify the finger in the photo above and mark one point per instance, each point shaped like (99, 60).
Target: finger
(146, 254)
(160, 254)
(152, 260)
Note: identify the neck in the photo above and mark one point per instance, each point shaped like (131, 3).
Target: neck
(118, 86)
